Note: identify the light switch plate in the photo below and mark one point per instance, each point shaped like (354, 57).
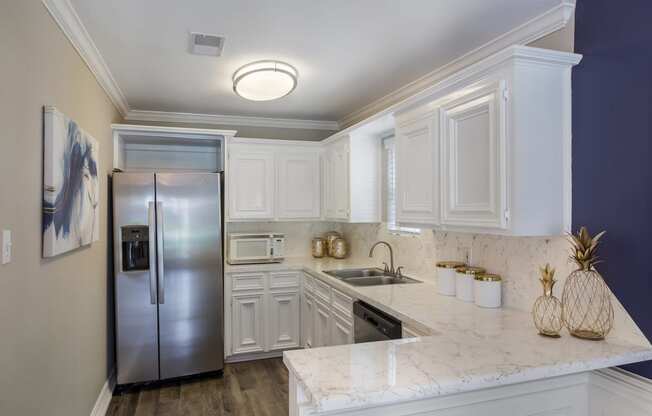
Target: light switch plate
(6, 246)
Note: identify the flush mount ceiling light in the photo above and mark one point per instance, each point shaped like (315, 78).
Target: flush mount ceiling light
(265, 80)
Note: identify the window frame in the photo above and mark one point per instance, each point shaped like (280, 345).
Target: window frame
(389, 180)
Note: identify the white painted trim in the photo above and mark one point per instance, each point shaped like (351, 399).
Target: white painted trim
(623, 386)
(189, 131)
(64, 14)
(238, 358)
(225, 120)
(536, 28)
(555, 396)
(516, 52)
(66, 17)
(275, 142)
(104, 398)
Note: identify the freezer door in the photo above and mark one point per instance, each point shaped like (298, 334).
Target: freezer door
(135, 277)
(190, 273)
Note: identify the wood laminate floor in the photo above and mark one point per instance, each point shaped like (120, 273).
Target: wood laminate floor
(254, 388)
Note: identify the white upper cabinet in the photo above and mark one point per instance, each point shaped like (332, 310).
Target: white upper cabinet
(299, 188)
(417, 170)
(336, 181)
(251, 176)
(273, 180)
(488, 150)
(351, 178)
(473, 161)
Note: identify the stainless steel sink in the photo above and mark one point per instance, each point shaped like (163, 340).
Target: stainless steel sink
(368, 277)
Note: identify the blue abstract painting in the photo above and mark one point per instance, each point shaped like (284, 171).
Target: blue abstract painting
(71, 187)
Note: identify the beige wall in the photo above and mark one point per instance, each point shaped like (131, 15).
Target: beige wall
(560, 40)
(54, 349)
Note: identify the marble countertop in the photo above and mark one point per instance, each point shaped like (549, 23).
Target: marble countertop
(468, 348)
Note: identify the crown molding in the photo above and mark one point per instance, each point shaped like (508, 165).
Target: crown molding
(164, 130)
(536, 28)
(70, 23)
(224, 120)
(66, 17)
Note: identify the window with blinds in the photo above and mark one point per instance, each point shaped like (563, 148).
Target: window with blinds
(390, 157)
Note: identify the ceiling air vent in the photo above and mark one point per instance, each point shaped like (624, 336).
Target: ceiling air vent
(205, 44)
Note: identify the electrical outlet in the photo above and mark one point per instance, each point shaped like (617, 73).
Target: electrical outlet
(466, 254)
(6, 246)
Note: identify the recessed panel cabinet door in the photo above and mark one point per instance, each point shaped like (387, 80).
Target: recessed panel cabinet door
(336, 181)
(322, 325)
(284, 320)
(247, 323)
(298, 185)
(341, 331)
(473, 160)
(307, 320)
(341, 181)
(417, 171)
(251, 184)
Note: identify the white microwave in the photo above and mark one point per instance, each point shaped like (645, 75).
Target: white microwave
(249, 248)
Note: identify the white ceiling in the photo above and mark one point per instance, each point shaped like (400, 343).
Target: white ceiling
(348, 52)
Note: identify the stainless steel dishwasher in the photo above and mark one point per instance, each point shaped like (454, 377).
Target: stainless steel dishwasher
(371, 324)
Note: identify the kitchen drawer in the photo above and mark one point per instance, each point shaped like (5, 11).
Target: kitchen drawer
(308, 283)
(323, 291)
(284, 280)
(342, 303)
(247, 281)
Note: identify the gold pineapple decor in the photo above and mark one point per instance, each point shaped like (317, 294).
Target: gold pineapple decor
(587, 311)
(547, 308)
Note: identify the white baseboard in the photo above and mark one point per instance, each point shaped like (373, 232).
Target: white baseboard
(616, 392)
(104, 399)
(253, 356)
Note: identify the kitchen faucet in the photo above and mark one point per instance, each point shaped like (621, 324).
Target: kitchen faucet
(388, 269)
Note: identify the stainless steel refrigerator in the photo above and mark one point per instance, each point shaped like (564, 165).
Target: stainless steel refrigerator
(168, 275)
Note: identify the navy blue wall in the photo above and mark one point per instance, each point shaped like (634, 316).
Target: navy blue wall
(612, 142)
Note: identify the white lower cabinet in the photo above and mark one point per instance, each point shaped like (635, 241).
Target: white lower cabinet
(341, 330)
(264, 314)
(279, 310)
(322, 324)
(248, 332)
(327, 315)
(284, 317)
(307, 319)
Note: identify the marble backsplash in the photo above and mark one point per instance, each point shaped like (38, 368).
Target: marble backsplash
(516, 259)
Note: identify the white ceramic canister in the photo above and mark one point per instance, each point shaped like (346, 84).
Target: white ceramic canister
(464, 278)
(446, 277)
(487, 290)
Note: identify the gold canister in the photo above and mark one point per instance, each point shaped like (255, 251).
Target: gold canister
(318, 247)
(339, 248)
(330, 237)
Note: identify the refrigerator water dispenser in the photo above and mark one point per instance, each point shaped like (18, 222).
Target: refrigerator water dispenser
(135, 247)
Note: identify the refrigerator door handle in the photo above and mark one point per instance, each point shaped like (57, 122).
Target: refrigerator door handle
(151, 223)
(159, 249)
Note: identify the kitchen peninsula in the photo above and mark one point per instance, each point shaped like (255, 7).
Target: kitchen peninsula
(472, 359)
